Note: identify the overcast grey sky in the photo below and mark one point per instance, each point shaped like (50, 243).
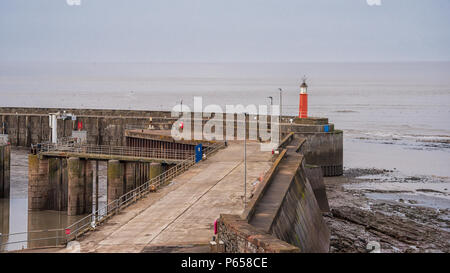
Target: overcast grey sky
(224, 30)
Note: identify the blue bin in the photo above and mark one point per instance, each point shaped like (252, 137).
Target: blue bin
(326, 128)
(198, 153)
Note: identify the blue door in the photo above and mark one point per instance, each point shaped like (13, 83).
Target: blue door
(198, 153)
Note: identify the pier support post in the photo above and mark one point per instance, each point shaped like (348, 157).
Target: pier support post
(38, 183)
(155, 170)
(115, 181)
(5, 157)
(96, 188)
(56, 187)
(76, 187)
(130, 176)
(89, 186)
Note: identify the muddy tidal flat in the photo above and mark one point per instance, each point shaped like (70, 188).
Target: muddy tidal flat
(401, 213)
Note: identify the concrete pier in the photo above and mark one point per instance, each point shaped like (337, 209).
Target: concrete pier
(116, 185)
(76, 187)
(80, 186)
(130, 176)
(155, 170)
(88, 185)
(60, 184)
(57, 175)
(38, 183)
(5, 159)
(127, 176)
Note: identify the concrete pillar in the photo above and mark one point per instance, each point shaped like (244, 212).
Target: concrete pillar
(4, 222)
(155, 170)
(55, 187)
(2, 168)
(130, 176)
(76, 186)
(38, 183)
(96, 188)
(88, 182)
(115, 187)
(6, 171)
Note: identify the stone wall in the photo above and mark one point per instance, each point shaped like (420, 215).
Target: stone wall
(299, 219)
(239, 236)
(291, 217)
(27, 126)
(325, 150)
(315, 178)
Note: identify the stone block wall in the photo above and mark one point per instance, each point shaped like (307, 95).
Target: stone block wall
(299, 219)
(325, 150)
(239, 236)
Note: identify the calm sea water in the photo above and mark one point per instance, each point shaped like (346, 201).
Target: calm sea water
(394, 115)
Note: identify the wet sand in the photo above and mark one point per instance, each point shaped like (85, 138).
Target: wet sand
(402, 213)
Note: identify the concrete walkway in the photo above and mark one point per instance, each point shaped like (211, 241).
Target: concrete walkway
(183, 213)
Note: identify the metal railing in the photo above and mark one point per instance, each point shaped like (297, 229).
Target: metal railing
(116, 151)
(35, 238)
(97, 217)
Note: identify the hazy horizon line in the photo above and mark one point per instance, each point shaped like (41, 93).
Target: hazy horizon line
(229, 62)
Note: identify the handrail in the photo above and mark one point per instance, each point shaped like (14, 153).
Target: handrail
(115, 151)
(50, 237)
(286, 140)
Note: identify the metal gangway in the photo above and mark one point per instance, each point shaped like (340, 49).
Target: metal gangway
(105, 152)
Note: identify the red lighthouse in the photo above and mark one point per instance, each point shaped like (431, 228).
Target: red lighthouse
(303, 107)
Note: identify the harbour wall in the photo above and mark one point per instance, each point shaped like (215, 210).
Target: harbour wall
(289, 216)
(27, 126)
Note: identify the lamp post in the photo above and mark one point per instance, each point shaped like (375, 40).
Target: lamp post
(245, 160)
(281, 113)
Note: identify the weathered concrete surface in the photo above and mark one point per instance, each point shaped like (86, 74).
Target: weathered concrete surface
(288, 209)
(183, 213)
(5, 166)
(325, 150)
(241, 237)
(315, 178)
(38, 183)
(116, 180)
(76, 185)
(58, 179)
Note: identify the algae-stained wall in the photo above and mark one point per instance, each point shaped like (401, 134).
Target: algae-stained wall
(27, 126)
(299, 219)
(5, 166)
(325, 150)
